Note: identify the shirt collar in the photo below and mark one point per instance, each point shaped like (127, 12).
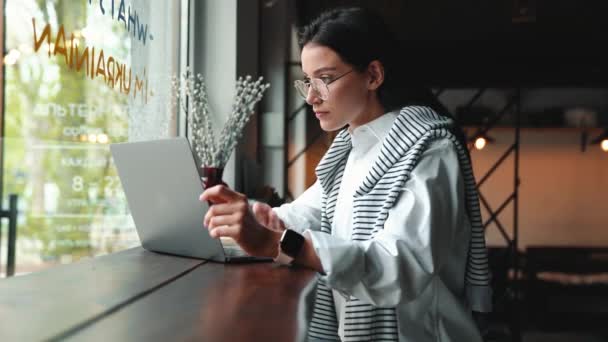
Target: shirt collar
(367, 135)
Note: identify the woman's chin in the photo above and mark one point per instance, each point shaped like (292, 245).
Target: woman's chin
(329, 126)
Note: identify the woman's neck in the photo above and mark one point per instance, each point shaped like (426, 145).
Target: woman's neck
(369, 114)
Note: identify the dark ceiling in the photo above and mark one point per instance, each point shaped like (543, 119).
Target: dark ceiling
(461, 43)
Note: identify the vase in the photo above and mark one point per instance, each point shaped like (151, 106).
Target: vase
(212, 176)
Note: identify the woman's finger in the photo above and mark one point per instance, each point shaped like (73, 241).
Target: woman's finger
(220, 194)
(221, 220)
(275, 222)
(260, 213)
(220, 209)
(225, 231)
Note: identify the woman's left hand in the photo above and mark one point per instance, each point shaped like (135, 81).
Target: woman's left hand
(230, 216)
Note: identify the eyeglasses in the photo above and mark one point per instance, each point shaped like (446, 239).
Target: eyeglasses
(319, 86)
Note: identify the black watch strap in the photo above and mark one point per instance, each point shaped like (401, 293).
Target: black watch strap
(289, 246)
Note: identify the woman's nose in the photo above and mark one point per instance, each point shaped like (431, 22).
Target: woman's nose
(312, 96)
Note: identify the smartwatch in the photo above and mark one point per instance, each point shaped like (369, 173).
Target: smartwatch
(289, 246)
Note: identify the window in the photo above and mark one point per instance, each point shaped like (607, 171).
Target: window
(79, 75)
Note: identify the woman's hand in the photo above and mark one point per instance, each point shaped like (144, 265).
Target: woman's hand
(267, 217)
(230, 216)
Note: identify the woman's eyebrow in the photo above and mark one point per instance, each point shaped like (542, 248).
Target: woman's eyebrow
(322, 70)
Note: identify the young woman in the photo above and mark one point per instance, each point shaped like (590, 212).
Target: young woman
(392, 223)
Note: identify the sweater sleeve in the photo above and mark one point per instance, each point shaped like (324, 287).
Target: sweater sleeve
(400, 261)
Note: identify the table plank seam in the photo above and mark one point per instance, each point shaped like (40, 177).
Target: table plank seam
(80, 326)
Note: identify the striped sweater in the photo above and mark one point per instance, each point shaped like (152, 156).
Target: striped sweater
(414, 129)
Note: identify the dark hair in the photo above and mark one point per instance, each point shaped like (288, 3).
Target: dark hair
(360, 36)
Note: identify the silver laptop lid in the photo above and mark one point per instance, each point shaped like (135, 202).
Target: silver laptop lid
(162, 185)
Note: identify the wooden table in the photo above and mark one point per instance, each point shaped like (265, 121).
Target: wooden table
(139, 295)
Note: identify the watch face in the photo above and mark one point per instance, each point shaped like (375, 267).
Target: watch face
(292, 243)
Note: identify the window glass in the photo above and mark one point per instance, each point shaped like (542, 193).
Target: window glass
(80, 75)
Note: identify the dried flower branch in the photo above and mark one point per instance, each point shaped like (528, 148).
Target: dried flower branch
(191, 93)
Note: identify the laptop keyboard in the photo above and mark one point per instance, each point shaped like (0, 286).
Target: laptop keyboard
(231, 248)
(234, 252)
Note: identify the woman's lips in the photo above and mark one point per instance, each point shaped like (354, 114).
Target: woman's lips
(321, 114)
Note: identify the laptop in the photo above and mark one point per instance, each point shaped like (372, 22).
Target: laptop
(162, 184)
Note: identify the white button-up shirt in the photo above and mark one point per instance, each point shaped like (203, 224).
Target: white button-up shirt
(426, 233)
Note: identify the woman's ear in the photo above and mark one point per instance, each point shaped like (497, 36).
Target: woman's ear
(375, 70)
